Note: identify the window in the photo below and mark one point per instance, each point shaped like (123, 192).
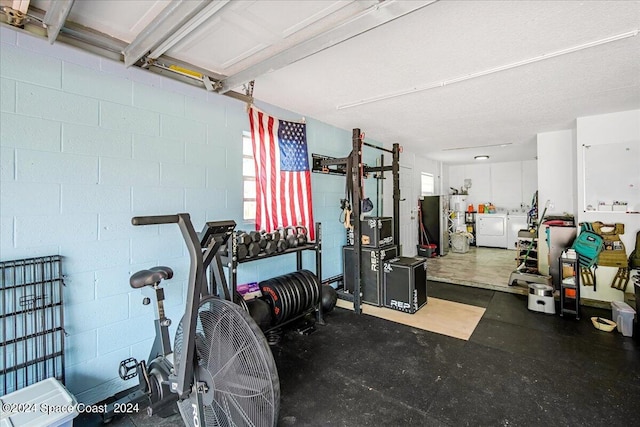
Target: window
(427, 184)
(248, 179)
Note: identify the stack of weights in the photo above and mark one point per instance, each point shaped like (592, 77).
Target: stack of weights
(291, 294)
(256, 243)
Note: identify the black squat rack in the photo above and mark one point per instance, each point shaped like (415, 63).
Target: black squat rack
(354, 169)
(232, 262)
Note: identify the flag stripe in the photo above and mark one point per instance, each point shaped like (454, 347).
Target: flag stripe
(272, 173)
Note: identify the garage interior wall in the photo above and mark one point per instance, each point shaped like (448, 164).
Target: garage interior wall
(508, 185)
(609, 129)
(561, 178)
(85, 145)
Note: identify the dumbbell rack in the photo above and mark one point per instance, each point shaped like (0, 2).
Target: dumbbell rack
(233, 262)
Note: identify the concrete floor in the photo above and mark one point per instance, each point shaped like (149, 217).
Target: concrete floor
(518, 368)
(487, 268)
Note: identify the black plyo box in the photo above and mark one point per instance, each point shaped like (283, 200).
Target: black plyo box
(372, 263)
(405, 284)
(375, 232)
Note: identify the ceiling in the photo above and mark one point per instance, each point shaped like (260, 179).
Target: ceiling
(447, 80)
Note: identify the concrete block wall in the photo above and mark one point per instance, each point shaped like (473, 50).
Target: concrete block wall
(86, 144)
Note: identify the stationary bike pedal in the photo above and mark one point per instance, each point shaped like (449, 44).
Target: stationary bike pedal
(128, 368)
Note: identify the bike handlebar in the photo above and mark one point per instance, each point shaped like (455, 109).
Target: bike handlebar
(157, 219)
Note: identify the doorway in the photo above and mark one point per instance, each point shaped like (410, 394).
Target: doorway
(408, 212)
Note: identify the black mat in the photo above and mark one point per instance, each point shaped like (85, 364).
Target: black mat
(518, 368)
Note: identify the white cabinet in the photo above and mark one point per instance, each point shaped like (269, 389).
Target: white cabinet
(491, 230)
(515, 223)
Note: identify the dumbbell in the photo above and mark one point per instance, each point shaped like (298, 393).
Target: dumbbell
(281, 243)
(302, 235)
(243, 238)
(270, 245)
(264, 237)
(291, 237)
(253, 249)
(242, 251)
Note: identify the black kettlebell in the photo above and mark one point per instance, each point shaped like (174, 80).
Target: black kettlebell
(291, 237)
(302, 235)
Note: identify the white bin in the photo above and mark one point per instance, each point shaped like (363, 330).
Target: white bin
(44, 404)
(541, 298)
(622, 314)
(460, 243)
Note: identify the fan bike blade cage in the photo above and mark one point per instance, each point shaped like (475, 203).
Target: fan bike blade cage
(236, 380)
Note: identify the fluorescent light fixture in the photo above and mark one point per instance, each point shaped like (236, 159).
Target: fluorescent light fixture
(443, 83)
(475, 147)
(482, 157)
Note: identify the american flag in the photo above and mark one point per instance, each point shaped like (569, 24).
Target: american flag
(283, 180)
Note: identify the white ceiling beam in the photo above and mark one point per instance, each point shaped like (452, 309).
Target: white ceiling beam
(168, 21)
(372, 17)
(55, 18)
(193, 23)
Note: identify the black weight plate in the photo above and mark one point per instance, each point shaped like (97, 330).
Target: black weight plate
(308, 287)
(301, 284)
(276, 297)
(286, 298)
(284, 281)
(292, 300)
(302, 294)
(295, 303)
(312, 286)
(297, 292)
(273, 297)
(308, 277)
(314, 280)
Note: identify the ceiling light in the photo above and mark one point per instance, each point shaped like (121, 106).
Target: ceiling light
(481, 157)
(437, 84)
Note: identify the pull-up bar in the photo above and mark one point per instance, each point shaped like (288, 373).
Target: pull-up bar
(353, 169)
(375, 146)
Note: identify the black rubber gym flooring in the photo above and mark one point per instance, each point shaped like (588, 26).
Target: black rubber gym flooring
(518, 368)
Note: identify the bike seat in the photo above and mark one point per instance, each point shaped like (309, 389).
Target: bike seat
(150, 277)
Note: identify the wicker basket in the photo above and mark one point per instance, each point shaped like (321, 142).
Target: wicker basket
(603, 324)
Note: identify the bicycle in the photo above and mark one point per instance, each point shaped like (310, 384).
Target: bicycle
(221, 370)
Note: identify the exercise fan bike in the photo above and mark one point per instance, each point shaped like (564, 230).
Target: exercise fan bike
(221, 371)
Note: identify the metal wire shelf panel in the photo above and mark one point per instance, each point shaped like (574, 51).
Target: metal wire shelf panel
(31, 322)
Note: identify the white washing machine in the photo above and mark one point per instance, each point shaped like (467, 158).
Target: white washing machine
(491, 230)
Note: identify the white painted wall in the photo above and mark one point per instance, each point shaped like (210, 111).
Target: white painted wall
(411, 167)
(507, 185)
(557, 171)
(596, 130)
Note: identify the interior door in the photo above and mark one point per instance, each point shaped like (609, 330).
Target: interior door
(408, 213)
